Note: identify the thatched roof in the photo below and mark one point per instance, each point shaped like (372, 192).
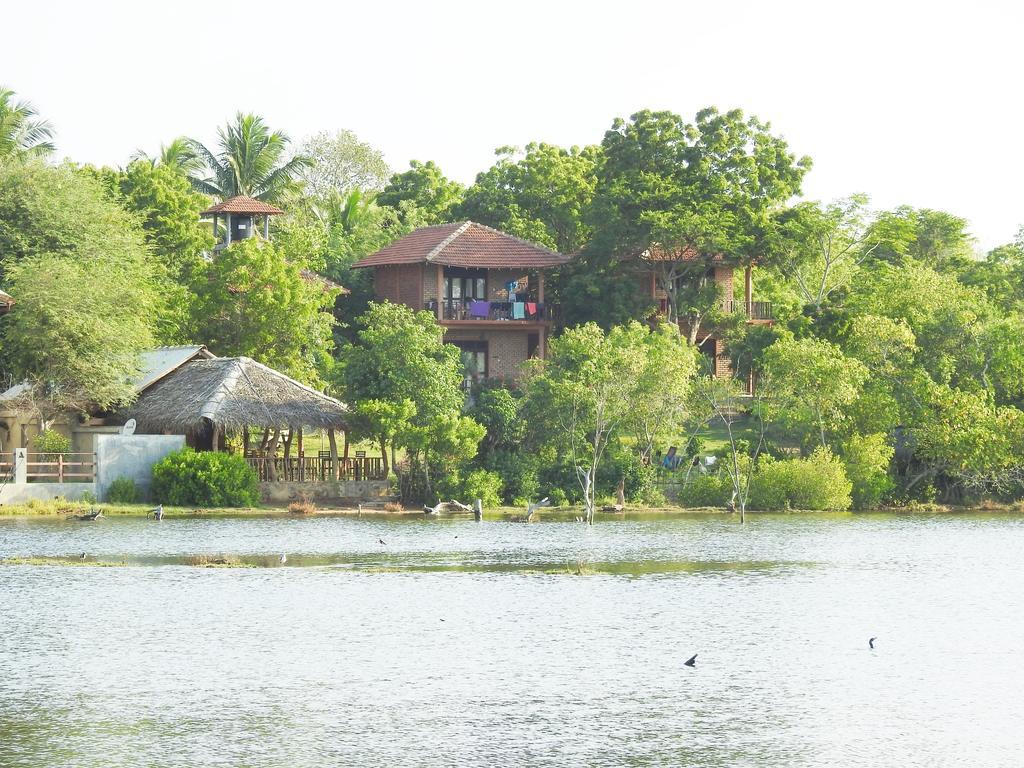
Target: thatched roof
(231, 393)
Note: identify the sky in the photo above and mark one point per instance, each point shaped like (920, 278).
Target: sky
(912, 103)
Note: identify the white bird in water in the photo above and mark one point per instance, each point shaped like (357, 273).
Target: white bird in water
(283, 559)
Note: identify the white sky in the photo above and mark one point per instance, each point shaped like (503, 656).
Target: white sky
(910, 102)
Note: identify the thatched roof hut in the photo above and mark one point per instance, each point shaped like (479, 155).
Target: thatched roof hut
(226, 394)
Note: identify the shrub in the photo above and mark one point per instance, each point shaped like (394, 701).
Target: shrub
(867, 459)
(712, 490)
(123, 491)
(51, 442)
(208, 478)
(818, 482)
(518, 472)
(302, 506)
(475, 484)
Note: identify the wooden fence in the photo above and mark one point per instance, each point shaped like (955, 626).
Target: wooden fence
(53, 467)
(307, 468)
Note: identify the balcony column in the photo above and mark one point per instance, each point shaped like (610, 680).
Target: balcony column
(440, 292)
(540, 286)
(748, 289)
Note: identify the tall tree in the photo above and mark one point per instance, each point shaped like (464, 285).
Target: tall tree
(678, 192)
(23, 134)
(250, 160)
(935, 239)
(541, 194)
(252, 300)
(422, 195)
(340, 163)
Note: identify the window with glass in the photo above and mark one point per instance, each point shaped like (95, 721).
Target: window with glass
(474, 361)
(462, 286)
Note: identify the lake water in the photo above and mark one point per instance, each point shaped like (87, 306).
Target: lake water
(501, 644)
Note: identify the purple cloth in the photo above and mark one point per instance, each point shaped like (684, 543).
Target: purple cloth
(479, 309)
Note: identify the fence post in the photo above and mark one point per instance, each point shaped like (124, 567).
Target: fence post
(21, 465)
(60, 467)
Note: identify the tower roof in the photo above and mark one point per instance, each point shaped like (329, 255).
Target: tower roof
(246, 206)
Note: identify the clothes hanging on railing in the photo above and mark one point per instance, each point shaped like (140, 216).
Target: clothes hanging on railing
(518, 310)
(480, 309)
(531, 308)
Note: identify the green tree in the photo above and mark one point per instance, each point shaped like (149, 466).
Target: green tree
(250, 160)
(588, 391)
(422, 195)
(23, 135)
(813, 384)
(405, 384)
(252, 301)
(340, 163)
(931, 238)
(179, 155)
(78, 331)
(822, 247)
(541, 194)
(671, 193)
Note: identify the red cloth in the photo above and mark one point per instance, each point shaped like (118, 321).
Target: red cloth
(531, 308)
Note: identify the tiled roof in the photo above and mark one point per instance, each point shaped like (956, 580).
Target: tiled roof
(315, 277)
(465, 244)
(687, 254)
(247, 206)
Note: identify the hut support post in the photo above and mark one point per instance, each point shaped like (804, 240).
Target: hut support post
(301, 456)
(345, 433)
(265, 441)
(334, 452)
(271, 456)
(288, 453)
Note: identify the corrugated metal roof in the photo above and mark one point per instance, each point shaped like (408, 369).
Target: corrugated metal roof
(157, 363)
(465, 244)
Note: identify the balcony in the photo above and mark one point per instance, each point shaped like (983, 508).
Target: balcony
(512, 311)
(754, 311)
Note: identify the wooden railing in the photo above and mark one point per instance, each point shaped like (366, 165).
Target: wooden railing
(754, 310)
(53, 467)
(310, 468)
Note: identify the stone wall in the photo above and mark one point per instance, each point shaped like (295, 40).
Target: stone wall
(326, 490)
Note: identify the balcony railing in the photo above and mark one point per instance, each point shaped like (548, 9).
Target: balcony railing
(470, 309)
(754, 310)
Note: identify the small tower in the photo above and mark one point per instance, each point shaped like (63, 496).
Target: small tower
(241, 216)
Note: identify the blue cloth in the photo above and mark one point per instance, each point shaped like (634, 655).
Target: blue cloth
(518, 310)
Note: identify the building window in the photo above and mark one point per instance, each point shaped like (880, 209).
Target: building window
(474, 361)
(465, 284)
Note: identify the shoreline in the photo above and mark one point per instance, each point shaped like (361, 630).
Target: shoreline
(56, 510)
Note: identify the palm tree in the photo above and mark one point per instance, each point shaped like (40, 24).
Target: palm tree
(179, 154)
(250, 161)
(22, 135)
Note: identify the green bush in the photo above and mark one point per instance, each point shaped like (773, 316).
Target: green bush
(714, 490)
(51, 442)
(208, 478)
(469, 485)
(818, 482)
(123, 491)
(867, 459)
(518, 471)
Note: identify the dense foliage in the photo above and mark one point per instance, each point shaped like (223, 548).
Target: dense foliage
(208, 478)
(893, 371)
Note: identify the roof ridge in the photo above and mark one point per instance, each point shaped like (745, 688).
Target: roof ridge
(212, 405)
(447, 241)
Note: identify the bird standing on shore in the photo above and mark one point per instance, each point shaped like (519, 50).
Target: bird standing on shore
(283, 559)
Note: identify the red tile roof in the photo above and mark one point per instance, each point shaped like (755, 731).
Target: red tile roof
(687, 254)
(247, 206)
(465, 244)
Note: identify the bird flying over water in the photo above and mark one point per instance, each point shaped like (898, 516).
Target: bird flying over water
(691, 662)
(871, 642)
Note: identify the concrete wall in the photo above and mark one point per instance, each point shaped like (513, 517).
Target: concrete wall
(131, 456)
(20, 493)
(328, 490)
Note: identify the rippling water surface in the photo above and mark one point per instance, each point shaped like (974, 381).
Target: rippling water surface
(462, 643)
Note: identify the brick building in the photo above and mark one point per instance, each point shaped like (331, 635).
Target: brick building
(485, 287)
